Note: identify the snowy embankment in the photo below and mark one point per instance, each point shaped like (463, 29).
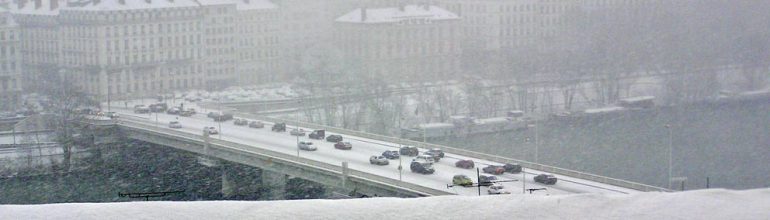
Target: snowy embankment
(701, 204)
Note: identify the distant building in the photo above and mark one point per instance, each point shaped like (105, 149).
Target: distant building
(10, 61)
(259, 42)
(407, 42)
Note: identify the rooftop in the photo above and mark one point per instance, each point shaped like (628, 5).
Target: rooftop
(396, 14)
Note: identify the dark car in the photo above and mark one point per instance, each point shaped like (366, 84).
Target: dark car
(279, 127)
(138, 109)
(547, 179)
(240, 122)
(423, 168)
(173, 111)
(223, 117)
(437, 155)
(436, 152)
(186, 113)
(409, 151)
(158, 107)
(466, 164)
(317, 134)
(493, 169)
(485, 180)
(334, 138)
(391, 154)
(512, 168)
(256, 124)
(343, 145)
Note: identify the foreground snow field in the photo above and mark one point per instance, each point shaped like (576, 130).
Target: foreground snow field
(701, 204)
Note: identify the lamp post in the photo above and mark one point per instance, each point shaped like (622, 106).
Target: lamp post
(297, 123)
(536, 141)
(222, 116)
(670, 153)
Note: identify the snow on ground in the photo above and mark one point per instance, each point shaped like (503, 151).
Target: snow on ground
(701, 204)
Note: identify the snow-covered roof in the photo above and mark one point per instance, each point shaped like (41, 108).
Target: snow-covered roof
(254, 4)
(395, 14)
(640, 98)
(435, 125)
(115, 5)
(493, 120)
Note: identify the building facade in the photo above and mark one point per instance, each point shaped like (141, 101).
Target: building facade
(258, 46)
(407, 42)
(10, 61)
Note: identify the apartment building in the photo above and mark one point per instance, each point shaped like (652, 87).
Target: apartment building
(10, 61)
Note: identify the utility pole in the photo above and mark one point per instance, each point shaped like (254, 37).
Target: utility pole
(670, 153)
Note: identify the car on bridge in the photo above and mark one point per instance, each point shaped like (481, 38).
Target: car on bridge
(391, 154)
(423, 158)
(308, 146)
(409, 151)
(421, 167)
(462, 180)
(378, 160)
(174, 124)
(435, 153)
(497, 189)
(547, 179)
(334, 138)
(465, 164)
(256, 124)
(494, 169)
(317, 134)
(240, 122)
(173, 111)
(297, 132)
(485, 180)
(210, 130)
(343, 145)
(141, 109)
(187, 113)
(279, 127)
(512, 168)
(158, 107)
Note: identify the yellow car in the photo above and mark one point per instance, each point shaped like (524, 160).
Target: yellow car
(462, 180)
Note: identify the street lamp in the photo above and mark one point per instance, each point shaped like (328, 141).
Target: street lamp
(670, 153)
(297, 121)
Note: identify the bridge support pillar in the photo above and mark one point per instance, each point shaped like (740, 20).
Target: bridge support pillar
(228, 183)
(276, 183)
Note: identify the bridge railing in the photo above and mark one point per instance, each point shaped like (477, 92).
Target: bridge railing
(309, 163)
(467, 153)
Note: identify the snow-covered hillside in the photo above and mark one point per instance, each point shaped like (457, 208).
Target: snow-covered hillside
(701, 204)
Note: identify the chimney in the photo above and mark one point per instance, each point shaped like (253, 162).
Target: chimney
(148, 1)
(247, 1)
(122, 2)
(54, 4)
(96, 2)
(21, 3)
(38, 3)
(363, 14)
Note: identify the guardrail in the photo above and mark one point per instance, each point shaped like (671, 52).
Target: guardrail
(467, 153)
(302, 162)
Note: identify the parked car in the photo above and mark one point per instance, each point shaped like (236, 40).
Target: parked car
(497, 189)
(494, 169)
(174, 124)
(512, 168)
(279, 127)
(390, 154)
(317, 134)
(334, 138)
(409, 151)
(213, 114)
(256, 124)
(436, 152)
(210, 130)
(462, 180)
(547, 179)
(379, 160)
(423, 168)
(297, 132)
(424, 158)
(466, 164)
(141, 109)
(173, 111)
(485, 180)
(343, 145)
(308, 146)
(240, 122)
